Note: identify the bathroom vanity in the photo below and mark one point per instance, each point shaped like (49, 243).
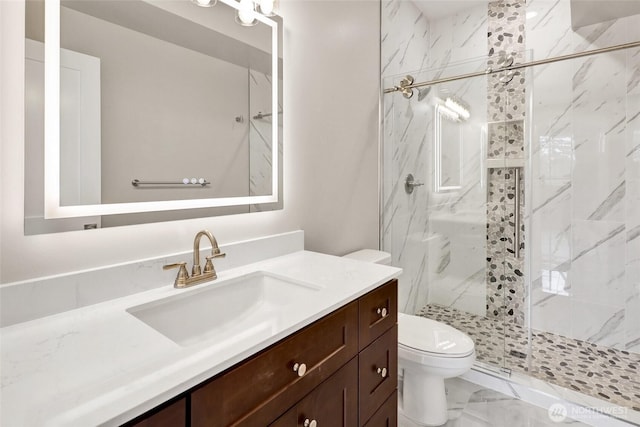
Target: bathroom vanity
(338, 371)
(299, 339)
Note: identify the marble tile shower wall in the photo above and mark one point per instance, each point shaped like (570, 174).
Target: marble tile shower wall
(457, 242)
(411, 43)
(404, 221)
(585, 251)
(457, 219)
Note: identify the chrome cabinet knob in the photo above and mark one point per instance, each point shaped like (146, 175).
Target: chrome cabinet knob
(310, 423)
(300, 368)
(382, 312)
(382, 372)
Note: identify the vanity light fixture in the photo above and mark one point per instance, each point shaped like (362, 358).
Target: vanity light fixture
(204, 3)
(448, 113)
(246, 14)
(457, 108)
(248, 10)
(266, 7)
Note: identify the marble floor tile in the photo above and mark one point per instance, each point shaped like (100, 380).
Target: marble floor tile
(472, 405)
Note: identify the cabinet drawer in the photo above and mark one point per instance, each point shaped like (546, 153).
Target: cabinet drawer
(378, 312)
(387, 415)
(378, 373)
(255, 392)
(334, 403)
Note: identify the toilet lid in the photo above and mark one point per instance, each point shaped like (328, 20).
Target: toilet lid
(430, 336)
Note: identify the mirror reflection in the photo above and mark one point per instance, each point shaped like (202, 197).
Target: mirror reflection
(159, 101)
(450, 115)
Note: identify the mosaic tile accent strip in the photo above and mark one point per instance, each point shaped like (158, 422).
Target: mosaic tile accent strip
(506, 110)
(605, 373)
(506, 139)
(505, 278)
(506, 38)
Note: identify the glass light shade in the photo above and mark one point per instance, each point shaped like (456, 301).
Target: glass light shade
(204, 3)
(266, 7)
(457, 108)
(246, 13)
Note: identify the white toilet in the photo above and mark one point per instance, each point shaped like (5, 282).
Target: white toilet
(428, 352)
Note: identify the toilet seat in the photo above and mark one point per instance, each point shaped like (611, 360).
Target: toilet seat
(418, 334)
(422, 360)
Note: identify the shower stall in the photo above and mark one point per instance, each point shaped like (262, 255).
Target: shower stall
(511, 187)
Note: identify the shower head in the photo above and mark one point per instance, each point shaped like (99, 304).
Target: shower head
(422, 93)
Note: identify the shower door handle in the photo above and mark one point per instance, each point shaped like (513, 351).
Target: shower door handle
(516, 213)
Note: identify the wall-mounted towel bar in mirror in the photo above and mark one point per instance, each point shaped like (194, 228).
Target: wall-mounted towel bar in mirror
(262, 115)
(186, 181)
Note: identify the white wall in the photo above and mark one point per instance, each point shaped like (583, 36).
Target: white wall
(330, 160)
(332, 69)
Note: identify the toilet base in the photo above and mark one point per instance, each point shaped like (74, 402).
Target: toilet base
(424, 399)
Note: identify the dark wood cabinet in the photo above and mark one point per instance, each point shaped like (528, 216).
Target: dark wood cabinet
(387, 414)
(339, 371)
(258, 389)
(334, 403)
(378, 312)
(378, 373)
(168, 415)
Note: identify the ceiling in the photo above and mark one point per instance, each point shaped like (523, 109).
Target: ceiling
(586, 12)
(583, 12)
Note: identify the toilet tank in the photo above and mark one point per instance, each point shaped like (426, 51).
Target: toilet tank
(371, 255)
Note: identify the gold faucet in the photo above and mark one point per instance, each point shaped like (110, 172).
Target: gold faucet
(197, 275)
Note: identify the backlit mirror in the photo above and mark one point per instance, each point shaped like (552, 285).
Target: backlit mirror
(140, 111)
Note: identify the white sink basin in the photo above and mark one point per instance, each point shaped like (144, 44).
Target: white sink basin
(227, 312)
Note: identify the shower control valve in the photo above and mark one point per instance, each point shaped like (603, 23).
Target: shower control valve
(410, 183)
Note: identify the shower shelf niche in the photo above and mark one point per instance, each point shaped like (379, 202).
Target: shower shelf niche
(504, 163)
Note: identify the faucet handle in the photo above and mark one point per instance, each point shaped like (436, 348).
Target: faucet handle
(217, 254)
(208, 266)
(183, 274)
(174, 265)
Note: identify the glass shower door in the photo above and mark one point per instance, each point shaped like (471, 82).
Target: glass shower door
(452, 228)
(506, 161)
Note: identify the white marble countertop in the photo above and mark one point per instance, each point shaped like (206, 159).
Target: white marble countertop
(100, 365)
